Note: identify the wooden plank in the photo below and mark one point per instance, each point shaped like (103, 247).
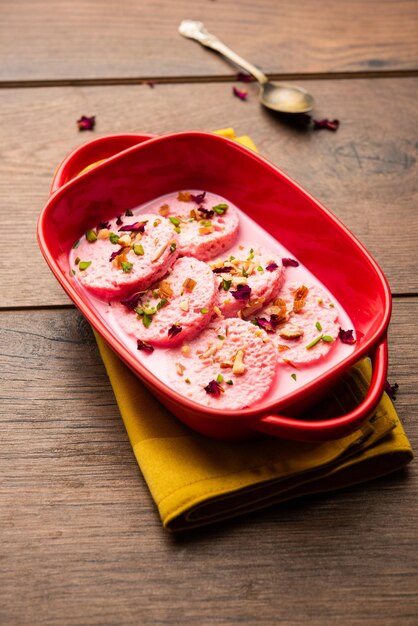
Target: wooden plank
(82, 542)
(366, 172)
(73, 39)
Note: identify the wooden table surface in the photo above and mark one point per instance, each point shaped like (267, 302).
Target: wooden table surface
(81, 541)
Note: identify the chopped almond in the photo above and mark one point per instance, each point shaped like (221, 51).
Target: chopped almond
(125, 240)
(282, 348)
(189, 284)
(291, 333)
(164, 210)
(298, 305)
(217, 311)
(180, 369)
(103, 233)
(238, 367)
(184, 305)
(165, 290)
(252, 307)
(210, 351)
(301, 293)
(159, 253)
(184, 196)
(118, 260)
(206, 230)
(185, 349)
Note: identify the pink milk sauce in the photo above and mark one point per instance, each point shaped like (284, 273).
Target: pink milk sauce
(160, 362)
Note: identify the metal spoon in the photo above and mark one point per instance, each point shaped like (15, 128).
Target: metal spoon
(277, 96)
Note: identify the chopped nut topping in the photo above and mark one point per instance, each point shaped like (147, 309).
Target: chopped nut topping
(239, 368)
(119, 259)
(159, 253)
(225, 364)
(252, 307)
(180, 369)
(184, 305)
(218, 311)
(206, 230)
(165, 289)
(103, 233)
(298, 305)
(299, 298)
(301, 293)
(164, 210)
(184, 196)
(210, 351)
(291, 333)
(185, 349)
(138, 237)
(189, 284)
(125, 240)
(282, 348)
(239, 280)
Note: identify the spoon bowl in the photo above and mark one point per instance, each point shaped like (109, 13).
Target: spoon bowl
(280, 97)
(285, 98)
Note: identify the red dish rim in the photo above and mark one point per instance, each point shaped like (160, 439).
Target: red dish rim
(372, 344)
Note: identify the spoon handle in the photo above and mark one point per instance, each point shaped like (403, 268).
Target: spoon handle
(197, 31)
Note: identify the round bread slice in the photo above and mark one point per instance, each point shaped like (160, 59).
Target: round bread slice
(206, 225)
(172, 310)
(247, 280)
(230, 365)
(302, 322)
(114, 261)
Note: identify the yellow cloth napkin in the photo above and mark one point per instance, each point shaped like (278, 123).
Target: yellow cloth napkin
(195, 480)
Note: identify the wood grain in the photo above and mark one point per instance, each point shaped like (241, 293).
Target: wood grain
(366, 172)
(82, 544)
(73, 39)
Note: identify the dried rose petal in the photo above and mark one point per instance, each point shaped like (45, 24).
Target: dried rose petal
(240, 93)
(244, 78)
(115, 254)
(206, 213)
(290, 262)
(265, 324)
(101, 225)
(213, 388)
(199, 197)
(119, 220)
(222, 270)
(174, 330)
(150, 83)
(131, 302)
(86, 123)
(143, 345)
(243, 292)
(325, 123)
(271, 267)
(346, 336)
(391, 390)
(137, 227)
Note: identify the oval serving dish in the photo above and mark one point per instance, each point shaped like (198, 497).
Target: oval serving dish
(136, 169)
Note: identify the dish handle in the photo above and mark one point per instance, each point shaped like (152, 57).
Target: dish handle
(325, 430)
(92, 153)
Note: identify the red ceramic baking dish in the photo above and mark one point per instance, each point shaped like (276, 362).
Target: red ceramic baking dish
(136, 169)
